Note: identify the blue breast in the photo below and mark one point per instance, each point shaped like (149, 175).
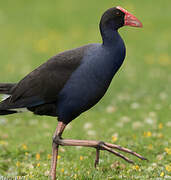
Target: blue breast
(88, 84)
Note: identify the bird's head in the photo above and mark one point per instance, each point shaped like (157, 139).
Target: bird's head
(117, 17)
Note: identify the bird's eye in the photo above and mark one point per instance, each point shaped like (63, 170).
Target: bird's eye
(117, 13)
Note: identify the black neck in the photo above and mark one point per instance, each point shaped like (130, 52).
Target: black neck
(109, 36)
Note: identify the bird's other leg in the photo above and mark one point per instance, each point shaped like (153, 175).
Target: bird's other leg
(97, 157)
(55, 146)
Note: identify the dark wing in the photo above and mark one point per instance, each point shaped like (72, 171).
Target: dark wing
(43, 84)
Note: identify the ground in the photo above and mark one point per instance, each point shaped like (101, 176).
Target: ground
(135, 112)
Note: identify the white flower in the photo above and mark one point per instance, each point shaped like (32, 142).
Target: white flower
(3, 121)
(110, 109)
(137, 124)
(125, 119)
(88, 125)
(119, 124)
(91, 133)
(149, 120)
(135, 105)
(163, 95)
(168, 124)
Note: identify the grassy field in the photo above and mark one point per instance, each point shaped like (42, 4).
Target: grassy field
(135, 113)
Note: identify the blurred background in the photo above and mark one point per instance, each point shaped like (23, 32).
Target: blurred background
(136, 110)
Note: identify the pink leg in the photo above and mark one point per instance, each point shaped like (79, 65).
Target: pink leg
(98, 145)
(59, 130)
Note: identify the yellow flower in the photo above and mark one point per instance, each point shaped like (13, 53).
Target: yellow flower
(30, 176)
(3, 143)
(17, 163)
(162, 174)
(164, 59)
(38, 164)
(150, 146)
(81, 158)
(134, 136)
(147, 134)
(26, 153)
(114, 138)
(24, 146)
(168, 150)
(168, 167)
(160, 126)
(136, 167)
(160, 135)
(59, 157)
(49, 156)
(62, 170)
(75, 176)
(37, 156)
(42, 45)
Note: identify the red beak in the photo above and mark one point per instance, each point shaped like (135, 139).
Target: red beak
(130, 20)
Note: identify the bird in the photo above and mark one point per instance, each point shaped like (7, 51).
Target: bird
(72, 82)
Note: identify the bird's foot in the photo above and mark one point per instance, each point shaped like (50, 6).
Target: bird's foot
(99, 145)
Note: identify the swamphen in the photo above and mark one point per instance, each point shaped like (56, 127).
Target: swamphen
(72, 82)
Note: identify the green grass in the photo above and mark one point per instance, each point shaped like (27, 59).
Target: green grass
(136, 108)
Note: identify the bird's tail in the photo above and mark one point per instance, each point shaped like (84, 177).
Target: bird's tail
(5, 88)
(7, 112)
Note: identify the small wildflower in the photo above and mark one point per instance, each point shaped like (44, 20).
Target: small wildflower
(88, 125)
(30, 176)
(160, 157)
(162, 174)
(49, 156)
(91, 132)
(46, 173)
(18, 164)
(81, 158)
(134, 136)
(168, 167)
(168, 150)
(75, 176)
(110, 109)
(137, 124)
(59, 157)
(3, 143)
(136, 167)
(169, 123)
(150, 120)
(147, 134)
(114, 138)
(160, 135)
(150, 146)
(62, 170)
(30, 166)
(125, 119)
(160, 126)
(24, 146)
(37, 156)
(26, 153)
(38, 165)
(135, 105)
